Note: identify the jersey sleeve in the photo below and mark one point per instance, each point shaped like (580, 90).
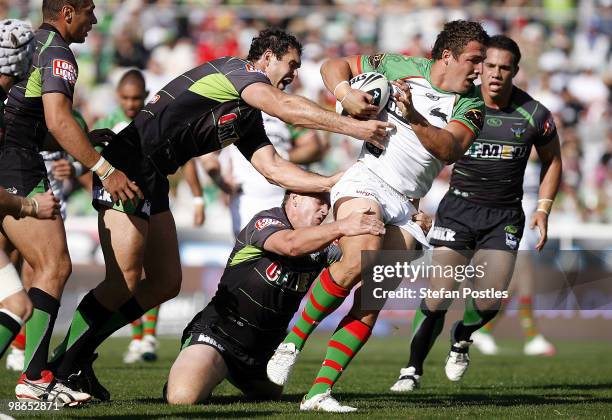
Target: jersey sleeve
(252, 134)
(59, 72)
(262, 226)
(469, 111)
(547, 130)
(376, 62)
(244, 74)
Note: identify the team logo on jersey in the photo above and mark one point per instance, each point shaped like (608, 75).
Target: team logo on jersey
(375, 60)
(65, 70)
(549, 126)
(475, 117)
(494, 122)
(518, 130)
(437, 113)
(226, 129)
(251, 69)
(511, 229)
(432, 96)
(483, 150)
(273, 272)
(99, 193)
(154, 99)
(267, 221)
(511, 241)
(11, 190)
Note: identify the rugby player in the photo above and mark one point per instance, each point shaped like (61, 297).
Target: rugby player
(437, 119)
(276, 258)
(201, 111)
(481, 217)
(40, 104)
(131, 94)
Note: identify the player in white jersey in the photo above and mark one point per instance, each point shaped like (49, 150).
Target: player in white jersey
(437, 114)
(251, 192)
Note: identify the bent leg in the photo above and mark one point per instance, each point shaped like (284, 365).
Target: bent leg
(197, 370)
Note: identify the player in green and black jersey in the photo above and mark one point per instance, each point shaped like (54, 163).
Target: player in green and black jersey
(277, 256)
(481, 217)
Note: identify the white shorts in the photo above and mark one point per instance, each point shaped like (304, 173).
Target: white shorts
(397, 210)
(10, 283)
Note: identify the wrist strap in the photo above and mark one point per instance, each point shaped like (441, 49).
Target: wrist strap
(198, 200)
(108, 173)
(338, 85)
(98, 164)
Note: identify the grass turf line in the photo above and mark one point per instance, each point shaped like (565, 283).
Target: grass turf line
(576, 383)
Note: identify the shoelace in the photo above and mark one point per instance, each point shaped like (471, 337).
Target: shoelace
(461, 357)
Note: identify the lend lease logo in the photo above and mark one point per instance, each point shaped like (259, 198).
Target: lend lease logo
(64, 70)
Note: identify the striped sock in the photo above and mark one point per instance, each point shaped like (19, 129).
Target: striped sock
(19, 341)
(526, 317)
(488, 328)
(137, 329)
(150, 321)
(10, 324)
(323, 299)
(350, 336)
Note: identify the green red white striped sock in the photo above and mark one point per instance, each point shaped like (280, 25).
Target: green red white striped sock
(348, 339)
(526, 317)
(137, 329)
(323, 299)
(150, 321)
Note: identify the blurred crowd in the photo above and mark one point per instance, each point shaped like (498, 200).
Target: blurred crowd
(566, 47)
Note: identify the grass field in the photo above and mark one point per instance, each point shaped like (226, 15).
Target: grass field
(576, 383)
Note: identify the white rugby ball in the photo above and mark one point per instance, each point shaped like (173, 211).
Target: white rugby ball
(372, 83)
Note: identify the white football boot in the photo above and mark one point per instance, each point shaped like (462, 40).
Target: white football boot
(281, 363)
(325, 402)
(48, 389)
(407, 381)
(133, 353)
(15, 360)
(485, 343)
(537, 346)
(148, 348)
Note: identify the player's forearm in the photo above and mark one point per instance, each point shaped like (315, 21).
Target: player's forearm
(334, 71)
(9, 203)
(304, 241)
(293, 178)
(550, 178)
(69, 134)
(191, 177)
(436, 141)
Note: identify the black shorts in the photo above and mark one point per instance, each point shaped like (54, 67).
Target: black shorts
(463, 225)
(22, 171)
(245, 370)
(124, 153)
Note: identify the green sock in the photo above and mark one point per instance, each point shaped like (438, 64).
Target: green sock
(150, 321)
(348, 339)
(9, 328)
(38, 332)
(323, 299)
(137, 329)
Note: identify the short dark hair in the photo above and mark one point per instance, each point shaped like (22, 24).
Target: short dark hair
(502, 42)
(323, 196)
(456, 35)
(51, 8)
(132, 76)
(274, 39)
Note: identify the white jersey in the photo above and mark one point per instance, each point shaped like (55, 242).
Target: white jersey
(257, 193)
(405, 164)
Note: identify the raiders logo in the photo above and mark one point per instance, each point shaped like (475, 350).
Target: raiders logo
(375, 60)
(475, 117)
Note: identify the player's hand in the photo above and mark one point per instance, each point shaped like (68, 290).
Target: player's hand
(423, 221)
(361, 222)
(48, 206)
(62, 169)
(540, 219)
(404, 98)
(199, 213)
(121, 188)
(358, 104)
(374, 131)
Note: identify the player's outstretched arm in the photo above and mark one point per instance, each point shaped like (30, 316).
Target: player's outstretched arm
(301, 112)
(41, 206)
(550, 179)
(303, 241)
(69, 134)
(285, 174)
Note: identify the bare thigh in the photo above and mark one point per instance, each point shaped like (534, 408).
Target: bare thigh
(197, 370)
(443, 257)
(498, 268)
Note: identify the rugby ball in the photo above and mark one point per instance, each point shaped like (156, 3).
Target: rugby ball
(372, 83)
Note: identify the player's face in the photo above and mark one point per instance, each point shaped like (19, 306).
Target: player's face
(466, 68)
(497, 72)
(82, 22)
(282, 72)
(131, 99)
(311, 210)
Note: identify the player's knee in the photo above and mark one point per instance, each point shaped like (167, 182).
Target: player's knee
(183, 395)
(19, 304)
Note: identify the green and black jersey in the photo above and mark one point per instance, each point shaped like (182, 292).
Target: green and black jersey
(54, 69)
(260, 291)
(491, 171)
(201, 111)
